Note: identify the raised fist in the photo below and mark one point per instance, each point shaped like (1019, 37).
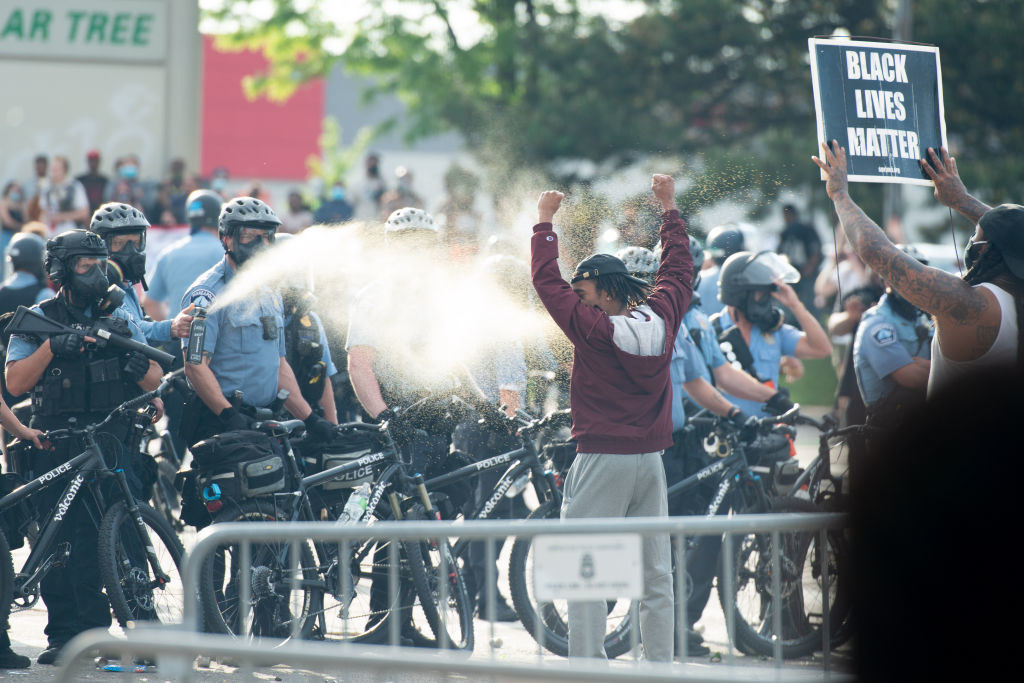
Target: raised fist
(664, 188)
(548, 204)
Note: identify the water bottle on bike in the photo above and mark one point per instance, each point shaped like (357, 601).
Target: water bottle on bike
(356, 505)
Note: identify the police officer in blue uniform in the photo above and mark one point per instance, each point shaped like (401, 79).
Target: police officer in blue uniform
(305, 343)
(243, 363)
(75, 382)
(892, 354)
(723, 241)
(188, 258)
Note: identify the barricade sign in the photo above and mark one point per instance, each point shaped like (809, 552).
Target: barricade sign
(882, 102)
(587, 567)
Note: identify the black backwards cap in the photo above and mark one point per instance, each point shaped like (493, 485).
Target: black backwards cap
(1004, 227)
(603, 264)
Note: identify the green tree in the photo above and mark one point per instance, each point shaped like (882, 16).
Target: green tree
(722, 84)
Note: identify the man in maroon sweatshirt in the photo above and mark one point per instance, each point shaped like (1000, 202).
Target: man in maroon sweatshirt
(621, 400)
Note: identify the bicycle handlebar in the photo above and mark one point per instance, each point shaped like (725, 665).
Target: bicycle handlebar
(274, 426)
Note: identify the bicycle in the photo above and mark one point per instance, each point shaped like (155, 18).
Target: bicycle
(337, 593)
(139, 554)
(737, 486)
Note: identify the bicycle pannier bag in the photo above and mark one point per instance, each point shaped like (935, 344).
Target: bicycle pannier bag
(243, 464)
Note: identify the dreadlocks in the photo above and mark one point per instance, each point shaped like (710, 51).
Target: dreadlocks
(990, 267)
(630, 292)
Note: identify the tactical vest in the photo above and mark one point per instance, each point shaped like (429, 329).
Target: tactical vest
(85, 387)
(11, 298)
(305, 355)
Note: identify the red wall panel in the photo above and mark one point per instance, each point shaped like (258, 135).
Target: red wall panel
(255, 139)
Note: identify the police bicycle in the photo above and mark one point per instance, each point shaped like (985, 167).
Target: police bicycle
(139, 554)
(341, 592)
(739, 487)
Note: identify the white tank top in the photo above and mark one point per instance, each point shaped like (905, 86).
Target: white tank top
(1003, 351)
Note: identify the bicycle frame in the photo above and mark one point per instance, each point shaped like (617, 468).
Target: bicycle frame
(41, 558)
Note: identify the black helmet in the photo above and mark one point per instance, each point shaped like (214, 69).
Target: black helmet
(724, 241)
(25, 250)
(246, 212)
(745, 273)
(203, 208)
(63, 251)
(114, 218)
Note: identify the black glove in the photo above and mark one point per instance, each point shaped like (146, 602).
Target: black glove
(233, 420)
(319, 429)
(779, 403)
(492, 418)
(400, 428)
(745, 424)
(136, 367)
(67, 345)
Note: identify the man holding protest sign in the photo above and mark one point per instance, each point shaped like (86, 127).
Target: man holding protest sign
(976, 318)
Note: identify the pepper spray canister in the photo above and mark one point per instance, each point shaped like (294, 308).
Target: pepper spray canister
(196, 337)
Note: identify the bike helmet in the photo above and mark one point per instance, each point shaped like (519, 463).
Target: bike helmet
(112, 219)
(246, 212)
(640, 262)
(408, 219)
(724, 241)
(25, 251)
(203, 208)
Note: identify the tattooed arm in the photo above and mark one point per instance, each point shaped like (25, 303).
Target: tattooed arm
(947, 297)
(949, 189)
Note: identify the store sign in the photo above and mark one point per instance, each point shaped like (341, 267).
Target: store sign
(107, 30)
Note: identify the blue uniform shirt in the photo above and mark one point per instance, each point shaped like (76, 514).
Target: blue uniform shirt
(767, 350)
(885, 342)
(180, 265)
(155, 331)
(710, 354)
(708, 291)
(241, 359)
(686, 366)
(22, 347)
(332, 369)
(20, 280)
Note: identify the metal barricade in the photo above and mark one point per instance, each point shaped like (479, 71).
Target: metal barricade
(176, 646)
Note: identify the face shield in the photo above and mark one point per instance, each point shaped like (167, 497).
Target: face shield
(778, 267)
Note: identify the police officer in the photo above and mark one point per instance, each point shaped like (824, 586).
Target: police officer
(188, 258)
(75, 382)
(306, 347)
(723, 241)
(243, 352)
(123, 229)
(27, 283)
(751, 332)
(892, 354)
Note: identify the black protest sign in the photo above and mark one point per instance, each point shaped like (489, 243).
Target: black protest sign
(882, 102)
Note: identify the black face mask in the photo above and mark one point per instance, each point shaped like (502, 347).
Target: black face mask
(297, 302)
(132, 262)
(89, 287)
(973, 252)
(244, 252)
(901, 306)
(764, 313)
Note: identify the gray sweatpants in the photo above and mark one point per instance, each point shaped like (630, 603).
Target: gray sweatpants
(612, 485)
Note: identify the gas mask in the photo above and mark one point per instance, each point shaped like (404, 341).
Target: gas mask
(131, 261)
(764, 313)
(88, 287)
(297, 301)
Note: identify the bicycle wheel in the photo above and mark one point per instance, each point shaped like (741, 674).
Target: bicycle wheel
(134, 592)
(443, 599)
(276, 601)
(359, 611)
(165, 497)
(553, 616)
(752, 604)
